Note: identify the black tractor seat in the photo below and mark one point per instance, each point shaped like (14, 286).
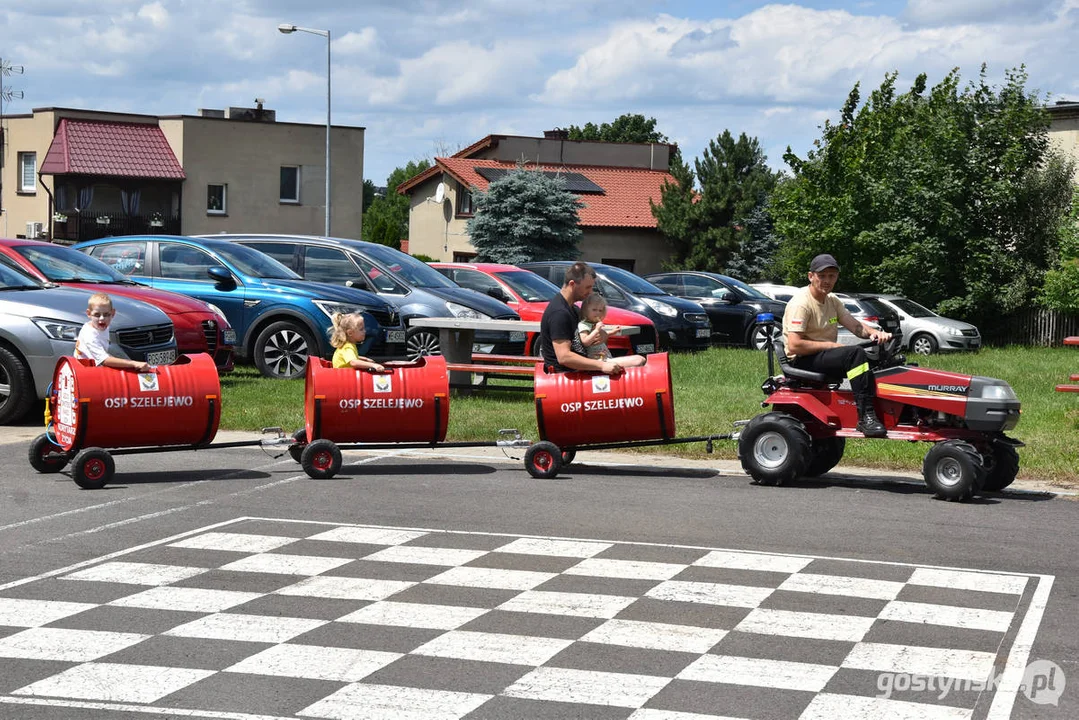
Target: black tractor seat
(797, 373)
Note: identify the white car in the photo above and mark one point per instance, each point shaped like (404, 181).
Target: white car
(925, 332)
(783, 293)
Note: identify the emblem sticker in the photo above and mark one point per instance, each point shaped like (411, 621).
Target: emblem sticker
(601, 384)
(148, 382)
(382, 383)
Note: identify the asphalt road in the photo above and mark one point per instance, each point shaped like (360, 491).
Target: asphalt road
(689, 530)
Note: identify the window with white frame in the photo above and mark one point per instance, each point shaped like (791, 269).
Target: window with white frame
(217, 199)
(464, 200)
(27, 171)
(290, 184)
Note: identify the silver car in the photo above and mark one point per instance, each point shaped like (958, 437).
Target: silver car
(925, 332)
(39, 323)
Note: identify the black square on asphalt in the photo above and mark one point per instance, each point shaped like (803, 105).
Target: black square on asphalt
(602, 657)
(202, 653)
(453, 674)
(783, 647)
(359, 636)
(564, 627)
(729, 700)
(251, 694)
(113, 618)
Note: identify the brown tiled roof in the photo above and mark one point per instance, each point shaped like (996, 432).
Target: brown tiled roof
(114, 149)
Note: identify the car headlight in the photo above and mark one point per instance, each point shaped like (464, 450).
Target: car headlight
(330, 308)
(59, 329)
(953, 330)
(461, 311)
(661, 307)
(218, 311)
(1002, 391)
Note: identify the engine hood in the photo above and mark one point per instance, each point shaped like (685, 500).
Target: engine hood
(474, 300)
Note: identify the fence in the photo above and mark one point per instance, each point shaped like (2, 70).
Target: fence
(1033, 326)
(91, 225)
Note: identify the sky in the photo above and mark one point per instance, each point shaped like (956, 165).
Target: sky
(427, 77)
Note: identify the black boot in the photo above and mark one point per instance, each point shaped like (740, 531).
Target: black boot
(868, 424)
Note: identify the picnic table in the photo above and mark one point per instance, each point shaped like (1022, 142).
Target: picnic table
(456, 337)
(1073, 340)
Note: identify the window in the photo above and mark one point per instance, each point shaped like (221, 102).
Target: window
(290, 184)
(464, 257)
(183, 262)
(126, 258)
(27, 172)
(330, 265)
(623, 263)
(382, 282)
(474, 280)
(670, 283)
(217, 197)
(611, 293)
(464, 200)
(284, 253)
(702, 287)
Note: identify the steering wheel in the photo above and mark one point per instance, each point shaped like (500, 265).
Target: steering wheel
(886, 355)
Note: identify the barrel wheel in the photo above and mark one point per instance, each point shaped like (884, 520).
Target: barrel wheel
(92, 468)
(321, 459)
(543, 460)
(567, 456)
(299, 440)
(46, 456)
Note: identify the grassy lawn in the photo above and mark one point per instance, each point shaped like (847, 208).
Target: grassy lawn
(714, 388)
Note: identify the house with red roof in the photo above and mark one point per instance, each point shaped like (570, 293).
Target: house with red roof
(72, 175)
(615, 181)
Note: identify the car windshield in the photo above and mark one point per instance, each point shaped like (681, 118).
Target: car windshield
(415, 272)
(530, 286)
(11, 279)
(61, 264)
(252, 262)
(912, 308)
(873, 306)
(747, 292)
(631, 283)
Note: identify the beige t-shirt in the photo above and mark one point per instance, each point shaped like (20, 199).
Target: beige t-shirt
(815, 320)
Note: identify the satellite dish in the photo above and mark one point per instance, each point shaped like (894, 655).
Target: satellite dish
(447, 210)
(440, 192)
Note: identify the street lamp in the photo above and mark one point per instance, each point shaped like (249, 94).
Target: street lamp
(287, 29)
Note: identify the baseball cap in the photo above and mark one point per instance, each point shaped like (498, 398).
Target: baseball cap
(823, 262)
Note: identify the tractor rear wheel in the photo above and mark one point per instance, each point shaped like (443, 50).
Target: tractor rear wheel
(774, 448)
(825, 454)
(1002, 465)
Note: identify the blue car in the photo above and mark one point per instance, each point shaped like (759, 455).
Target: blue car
(280, 319)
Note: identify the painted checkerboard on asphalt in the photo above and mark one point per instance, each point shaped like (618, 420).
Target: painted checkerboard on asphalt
(269, 618)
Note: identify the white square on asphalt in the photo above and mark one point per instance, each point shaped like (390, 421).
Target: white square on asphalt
(925, 661)
(762, 562)
(758, 672)
(553, 548)
(189, 599)
(246, 628)
(626, 569)
(563, 603)
(947, 615)
(234, 542)
(587, 686)
(367, 536)
(69, 645)
(315, 662)
(493, 578)
(426, 555)
(494, 647)
(656, 636)
(829, 706)
(414, 615)
(821, 626)
(841, 585)
(746, 596)
(390, 702)
(116, 683)
(967, 580)
(136, 573)
(16, 612)
(286, 564)
(346, 588)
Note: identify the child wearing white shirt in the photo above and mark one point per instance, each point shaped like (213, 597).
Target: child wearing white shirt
(93, 340)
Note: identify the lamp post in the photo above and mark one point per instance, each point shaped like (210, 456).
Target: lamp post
(288, 29)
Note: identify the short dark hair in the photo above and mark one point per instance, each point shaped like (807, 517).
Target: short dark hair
(577, 272)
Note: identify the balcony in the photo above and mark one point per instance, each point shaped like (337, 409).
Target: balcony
(90, 225)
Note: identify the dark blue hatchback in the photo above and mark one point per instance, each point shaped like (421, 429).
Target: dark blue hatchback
(280, 318)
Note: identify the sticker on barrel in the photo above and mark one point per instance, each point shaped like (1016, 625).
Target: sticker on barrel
(382, 384)
(67, 406)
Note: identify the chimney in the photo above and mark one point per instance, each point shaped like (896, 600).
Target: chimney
(556, 134)
(211, 113)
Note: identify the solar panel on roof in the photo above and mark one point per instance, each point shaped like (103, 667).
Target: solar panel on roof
(575, 181)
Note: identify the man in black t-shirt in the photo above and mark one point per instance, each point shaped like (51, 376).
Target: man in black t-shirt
(560, 345)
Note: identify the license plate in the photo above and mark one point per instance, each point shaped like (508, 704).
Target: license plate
(161, 357)
(646, 348)
(517, 337)
(229, 336)
(395, 336)
(704, 332)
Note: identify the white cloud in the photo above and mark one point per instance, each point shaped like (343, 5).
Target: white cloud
(155, 13)
(356, 43)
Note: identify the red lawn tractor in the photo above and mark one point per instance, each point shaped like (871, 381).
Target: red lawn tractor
(965, 418)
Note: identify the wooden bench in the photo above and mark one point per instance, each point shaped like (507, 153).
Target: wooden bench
(1074, 340)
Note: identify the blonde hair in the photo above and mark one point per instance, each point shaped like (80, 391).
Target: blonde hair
(98, 299)
(342, 324)
(593, 300)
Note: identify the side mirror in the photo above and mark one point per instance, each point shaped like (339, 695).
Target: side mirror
(220, 275)
(499, 294)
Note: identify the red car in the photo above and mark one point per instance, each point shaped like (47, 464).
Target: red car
(528, 293)
(199, 326)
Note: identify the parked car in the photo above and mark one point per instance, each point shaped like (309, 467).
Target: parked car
(199, 327)
(528, 294)
(680, 324)
(416, 289)
(732, 306)
(925, 332)
(783, 293)
(39, 323)
(867, 308)
(280, 318)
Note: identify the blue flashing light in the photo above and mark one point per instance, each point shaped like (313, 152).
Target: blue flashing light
(766, 318)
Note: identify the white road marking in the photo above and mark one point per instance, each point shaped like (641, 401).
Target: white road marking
(123, 683)
(842, 585)
(315, 662)
(963, 580)
(930, 662)
(246, 628)
(494, 647)
(822, 626)
(827, 706)
(948, 615)
(625, 569)
(1015, 668)
(235, 542)
(414, 615)
(41, 643)
(554, 548)
(710, 593)
(758, 672)
(590, 687)
(494, 578)
(416, 555)
(185, 598)
(736, 560)
(136, 573)
(573, 604)
(367, 536)
(345, 588)
(656, 636)
(16, 612)
(390, 702)
(139, 709)
(280, 564)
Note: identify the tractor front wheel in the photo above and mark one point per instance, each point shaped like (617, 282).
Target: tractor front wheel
(774, 448)
(953, 470)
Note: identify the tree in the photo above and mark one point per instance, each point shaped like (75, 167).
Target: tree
(951, 197)
(1061, 291)
(525, 215)
(368, 195)
(755, 258)
(628, 128)
(386, 220)
(706, 228)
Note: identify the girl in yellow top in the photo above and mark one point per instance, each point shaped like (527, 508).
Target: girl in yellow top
(348, 330)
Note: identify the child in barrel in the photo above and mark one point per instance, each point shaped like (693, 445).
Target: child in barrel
(93, 340)
(348, 331)
(594, 333)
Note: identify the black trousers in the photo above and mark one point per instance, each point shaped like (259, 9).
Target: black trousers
(849, 362)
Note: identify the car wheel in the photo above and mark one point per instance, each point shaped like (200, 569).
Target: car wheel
(16, 387)
(420, 342)
(282, 349)
(923, 344)
(758, 337)
(953, 470)
(774, 448)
